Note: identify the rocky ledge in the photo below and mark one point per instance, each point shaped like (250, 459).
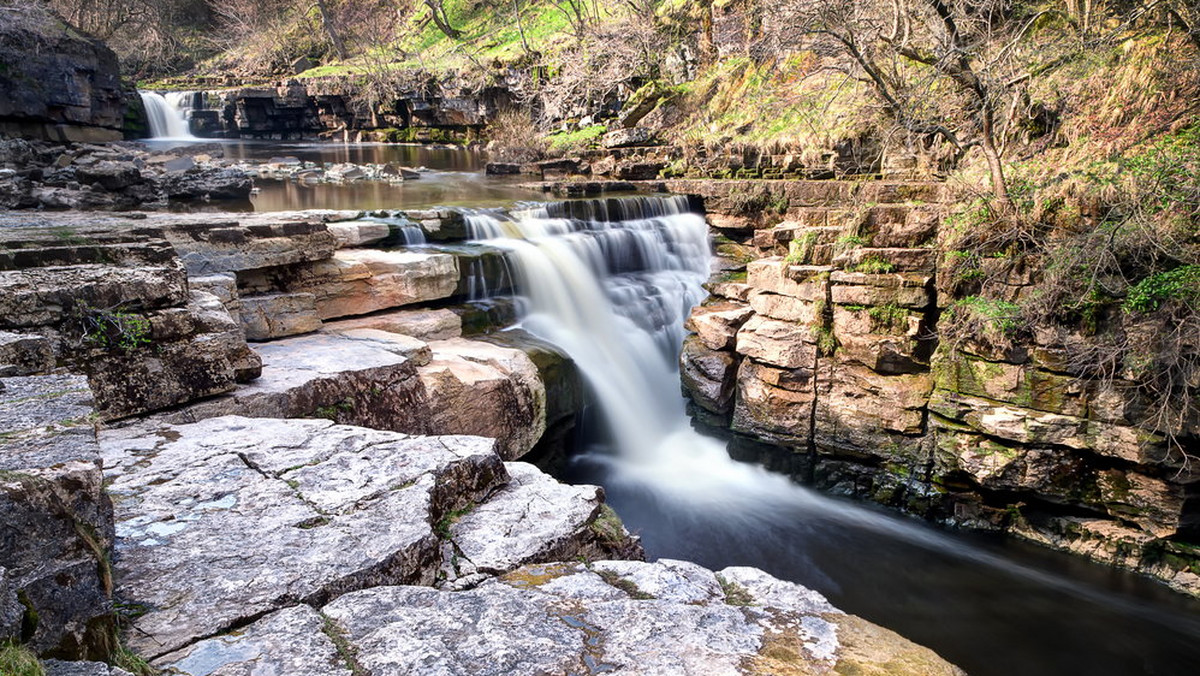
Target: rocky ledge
(667, 617)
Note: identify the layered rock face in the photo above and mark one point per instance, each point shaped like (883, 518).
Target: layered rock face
(57, 84)
(330, 107)
(826, 345)
(116, 305)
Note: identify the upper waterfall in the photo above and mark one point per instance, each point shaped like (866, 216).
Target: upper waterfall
(166, 120)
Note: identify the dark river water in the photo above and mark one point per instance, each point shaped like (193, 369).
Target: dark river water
(993, 606)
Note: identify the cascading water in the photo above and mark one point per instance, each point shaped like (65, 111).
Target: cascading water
(611, 282)
(166, 121)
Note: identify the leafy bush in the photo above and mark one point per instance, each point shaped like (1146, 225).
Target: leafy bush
(112, 329)
(1181, 284)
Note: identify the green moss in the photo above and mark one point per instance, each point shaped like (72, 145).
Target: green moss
(888, 316)
(609, 528)
(800, 250)
(873, 265)
(735, 594)
(576, 140)
(443, 526)
(345, 649)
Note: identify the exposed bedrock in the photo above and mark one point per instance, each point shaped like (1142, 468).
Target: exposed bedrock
(57, 525)
(328, 509)
(821, 337)
(607, 616)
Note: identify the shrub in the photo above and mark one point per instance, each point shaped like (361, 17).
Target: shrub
(514, 137)
(1181, 284)
(111, 329)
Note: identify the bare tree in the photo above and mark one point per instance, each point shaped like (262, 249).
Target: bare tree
(908, 49)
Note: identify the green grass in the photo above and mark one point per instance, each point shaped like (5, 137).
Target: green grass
(18, 660)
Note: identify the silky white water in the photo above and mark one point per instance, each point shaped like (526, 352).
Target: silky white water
(166, 120)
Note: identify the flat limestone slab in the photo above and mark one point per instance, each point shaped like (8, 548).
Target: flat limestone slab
(224, 520)
(536, 519)
(359, 382)
(667, 617)
(289, 642)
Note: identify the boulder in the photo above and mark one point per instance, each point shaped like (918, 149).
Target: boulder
(57, 527)
(625, 138)
(23, 354)
(487, 390)
(207, 184)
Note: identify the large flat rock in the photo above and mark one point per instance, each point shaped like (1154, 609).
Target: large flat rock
(224, 520)
(536, 519)
(667, 617)
(360, 281)
(361, 382)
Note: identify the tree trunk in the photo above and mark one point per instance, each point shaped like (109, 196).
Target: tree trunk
(995, 166)
(334, 37)
(439, 18)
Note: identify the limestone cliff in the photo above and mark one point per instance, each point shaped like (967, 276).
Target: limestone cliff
(836, 333)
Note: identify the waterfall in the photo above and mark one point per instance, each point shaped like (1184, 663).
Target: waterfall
(611, 283)
(166, 121)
